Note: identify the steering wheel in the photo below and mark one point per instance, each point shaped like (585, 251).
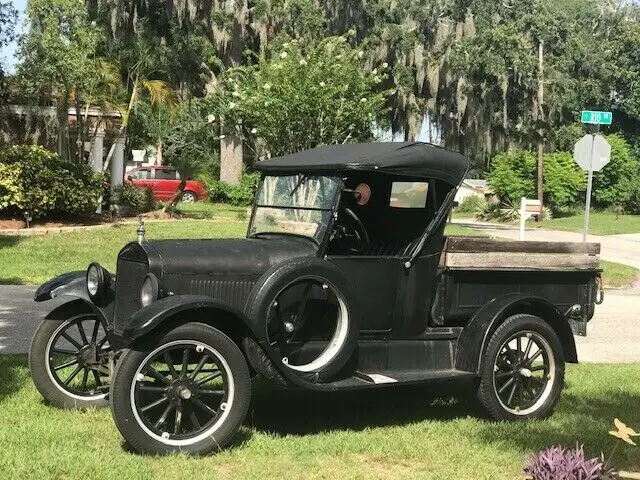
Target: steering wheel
(352, 231)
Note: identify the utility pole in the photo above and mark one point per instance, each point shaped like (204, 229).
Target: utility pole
(540, 117)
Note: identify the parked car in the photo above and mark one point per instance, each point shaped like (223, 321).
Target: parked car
(164, 183)
(344, 281)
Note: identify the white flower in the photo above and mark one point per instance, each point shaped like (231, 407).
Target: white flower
(285, 45)
(221, 137)
(232, 105)
(303, 62)
(374, 71)
(385, 65)
(377, 78)
(211, 118)
(338, 57)
(283, 54)
(254, 130)
(360, 54)
(235, 93)
(362, 100)
(322, 84)
(267, 86)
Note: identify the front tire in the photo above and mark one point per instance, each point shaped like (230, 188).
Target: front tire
(69, 362)
(187, 391)
(522, 371)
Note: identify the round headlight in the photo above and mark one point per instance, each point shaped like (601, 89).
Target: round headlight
(149, 290)
(95, 280)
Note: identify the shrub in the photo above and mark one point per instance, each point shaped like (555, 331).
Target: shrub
(472, 204)
(36, 181)
(564, 182)
(136, 200)
(513, 175)
(559, 463)
(633, 205)
(222, 192)
(614, 184)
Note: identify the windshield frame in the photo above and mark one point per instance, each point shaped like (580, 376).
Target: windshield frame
(323, 239)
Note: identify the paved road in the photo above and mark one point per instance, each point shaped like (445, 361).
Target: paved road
(613, 334)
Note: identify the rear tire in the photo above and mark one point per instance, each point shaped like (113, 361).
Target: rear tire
(522, 370)
(194, 397)
(84, 382)
(188, 197)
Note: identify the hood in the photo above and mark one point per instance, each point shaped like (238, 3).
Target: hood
(245, 257)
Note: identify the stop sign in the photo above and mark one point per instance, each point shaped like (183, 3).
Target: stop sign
(587, 145)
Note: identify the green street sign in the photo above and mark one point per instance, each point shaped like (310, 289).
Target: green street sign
(597, 118)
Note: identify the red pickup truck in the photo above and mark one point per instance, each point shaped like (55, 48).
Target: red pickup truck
(164, 182)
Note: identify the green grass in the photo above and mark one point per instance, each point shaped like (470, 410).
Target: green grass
(617, 275)
(212, 210)
(391, 433)
(36, 259)
(600, 223)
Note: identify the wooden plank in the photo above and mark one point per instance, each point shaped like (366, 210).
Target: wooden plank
(521, 261)
(484, 245)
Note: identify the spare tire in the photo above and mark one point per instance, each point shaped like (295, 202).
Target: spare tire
(307, 314)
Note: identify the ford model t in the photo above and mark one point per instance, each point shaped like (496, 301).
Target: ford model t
(345, 280)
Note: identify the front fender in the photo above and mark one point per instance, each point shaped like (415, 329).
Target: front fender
(152, 316)
(476, 334)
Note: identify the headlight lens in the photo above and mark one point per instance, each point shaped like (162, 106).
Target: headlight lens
(149, 290)
(96, 280)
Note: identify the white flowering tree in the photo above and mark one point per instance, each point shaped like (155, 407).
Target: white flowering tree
(303, 95)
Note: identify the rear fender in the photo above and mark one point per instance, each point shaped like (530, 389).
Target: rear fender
(476, 334)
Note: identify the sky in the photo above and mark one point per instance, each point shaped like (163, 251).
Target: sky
(7, 54)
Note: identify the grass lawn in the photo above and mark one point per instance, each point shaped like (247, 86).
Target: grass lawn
(391, 433)
(599, 223)
(36, 259)
(616, 275)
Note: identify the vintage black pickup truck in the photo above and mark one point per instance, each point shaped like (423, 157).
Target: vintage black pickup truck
(345, 280)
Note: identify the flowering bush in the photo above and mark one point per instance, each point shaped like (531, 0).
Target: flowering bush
(301, 96)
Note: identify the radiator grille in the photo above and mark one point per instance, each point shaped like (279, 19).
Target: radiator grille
(129, 278)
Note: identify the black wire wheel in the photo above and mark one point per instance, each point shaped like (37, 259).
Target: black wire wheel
(69, 361)
(189, 391)
(308, 324)
(523, 369)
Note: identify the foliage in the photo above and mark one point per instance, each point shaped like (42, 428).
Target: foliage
(564, 181)
(614, 184)
(512, 175)
(39, 183)
(301, 96)
(472, 204)
(8, 19)
(222, 192)
(557, 463)
(136, 200)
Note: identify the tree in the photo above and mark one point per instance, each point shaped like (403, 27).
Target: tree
(301, 96)
(8, 19)
(57, 60)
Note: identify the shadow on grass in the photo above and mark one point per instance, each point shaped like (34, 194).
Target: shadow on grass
(14, 374)
(9, 240)
(298, 412)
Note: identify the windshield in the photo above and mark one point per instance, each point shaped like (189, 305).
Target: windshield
(295, 204)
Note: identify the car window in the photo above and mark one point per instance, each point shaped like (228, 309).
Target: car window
(141, 174)
(409, 194)
(165, 174)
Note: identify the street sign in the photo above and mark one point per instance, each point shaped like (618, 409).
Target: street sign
(591, 152)
(588, 144)
(597, 118)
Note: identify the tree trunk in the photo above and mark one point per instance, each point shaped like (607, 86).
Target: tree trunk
(159, 145)
(171, 204)
(540, 117)
(231, 159)
(413, 126)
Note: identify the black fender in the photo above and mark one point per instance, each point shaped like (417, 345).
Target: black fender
(72, 287)
(476, 334)
(229, 320)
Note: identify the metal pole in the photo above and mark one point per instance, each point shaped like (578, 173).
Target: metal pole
(589, 185)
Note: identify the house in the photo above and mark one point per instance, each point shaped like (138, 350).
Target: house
(473, 186)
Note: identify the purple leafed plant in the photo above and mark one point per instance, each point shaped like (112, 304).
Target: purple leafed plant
(557, 463)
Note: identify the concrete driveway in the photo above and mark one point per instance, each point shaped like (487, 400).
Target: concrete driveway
(613, 334)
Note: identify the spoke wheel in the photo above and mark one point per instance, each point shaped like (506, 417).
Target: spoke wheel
(307, 324)
(182, 391)
(186, 390)
(522, 371)
(69, 361)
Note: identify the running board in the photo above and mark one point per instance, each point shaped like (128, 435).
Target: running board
(395, 377)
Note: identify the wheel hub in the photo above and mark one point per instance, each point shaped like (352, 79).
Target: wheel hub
(182, 389)
(88, 356)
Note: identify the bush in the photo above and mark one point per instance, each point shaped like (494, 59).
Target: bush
(513, 175)
(135, 200)
(557, 462)
(36, 181)
(564, 182)
(472, 204)
(614, 184)
(222, 192)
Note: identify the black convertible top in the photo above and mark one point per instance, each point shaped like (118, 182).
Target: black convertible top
(403, 158)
